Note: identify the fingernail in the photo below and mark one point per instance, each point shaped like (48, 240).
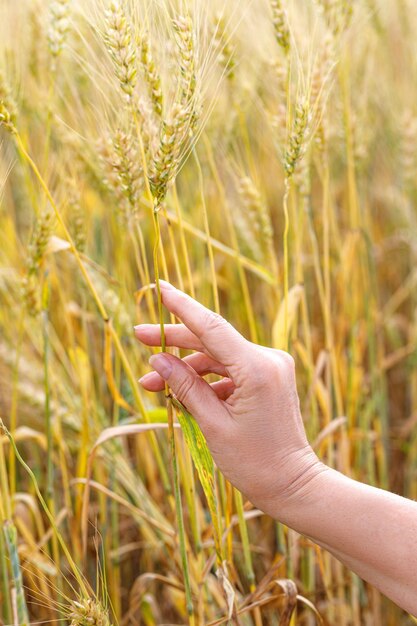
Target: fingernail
(165, 285)
(162, 365)
(143, 330)
(146, 378)
(140, 327)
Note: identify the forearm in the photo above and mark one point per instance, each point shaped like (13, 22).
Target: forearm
(372, 531)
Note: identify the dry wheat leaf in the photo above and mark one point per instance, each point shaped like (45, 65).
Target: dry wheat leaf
(281, 329)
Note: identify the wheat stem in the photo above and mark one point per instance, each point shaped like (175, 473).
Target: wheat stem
(5, 513)
(10, 534)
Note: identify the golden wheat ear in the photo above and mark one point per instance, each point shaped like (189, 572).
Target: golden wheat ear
(59, 24)
(89, 612)
(8, 107)
(119, 41)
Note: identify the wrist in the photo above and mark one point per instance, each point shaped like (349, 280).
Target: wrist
(306, 478)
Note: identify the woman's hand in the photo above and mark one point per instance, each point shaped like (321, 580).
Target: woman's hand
(251, 418)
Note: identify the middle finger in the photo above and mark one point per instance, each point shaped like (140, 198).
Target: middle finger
(200, 362)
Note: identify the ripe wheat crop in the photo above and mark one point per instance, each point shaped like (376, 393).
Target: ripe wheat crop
(262, 157)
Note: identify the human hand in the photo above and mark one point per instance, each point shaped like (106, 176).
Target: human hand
(251, 418)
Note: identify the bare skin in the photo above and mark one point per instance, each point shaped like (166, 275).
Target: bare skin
(253, 426)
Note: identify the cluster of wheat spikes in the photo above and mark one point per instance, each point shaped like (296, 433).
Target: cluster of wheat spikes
(261, 156)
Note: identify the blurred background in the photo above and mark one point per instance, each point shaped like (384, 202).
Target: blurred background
(273, 146)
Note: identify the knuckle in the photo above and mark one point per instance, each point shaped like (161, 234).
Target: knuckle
(286, 359)
(278, 358)
(213, 321)
(271, 367)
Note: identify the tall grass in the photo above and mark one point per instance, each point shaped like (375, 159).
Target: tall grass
(260, 156)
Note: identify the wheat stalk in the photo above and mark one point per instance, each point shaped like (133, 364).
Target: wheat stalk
(10, 534)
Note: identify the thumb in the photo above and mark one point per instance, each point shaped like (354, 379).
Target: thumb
(190, 389)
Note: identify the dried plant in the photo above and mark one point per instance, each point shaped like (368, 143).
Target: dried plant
(288, 228)
(223, 46)
(126, 165)
(151, 75)
(59, 13)
(120, 44)
(258, 220)
(36, 253)
(88, 612)
(174, 133)
(77, 217)
(408, 159)
(183, 28)
(123, 173)
(8, 108)
(279, 20)
(338, 14)
(298, 137)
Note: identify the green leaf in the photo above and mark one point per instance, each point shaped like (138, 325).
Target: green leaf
(204, 465)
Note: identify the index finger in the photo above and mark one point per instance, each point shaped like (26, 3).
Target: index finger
(217, 336)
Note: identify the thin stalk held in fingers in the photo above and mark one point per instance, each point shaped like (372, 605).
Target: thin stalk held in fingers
(286, 258)
(171, 431)
(187, 468)
(229, 491)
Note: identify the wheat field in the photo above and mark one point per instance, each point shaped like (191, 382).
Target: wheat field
(262, 157)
